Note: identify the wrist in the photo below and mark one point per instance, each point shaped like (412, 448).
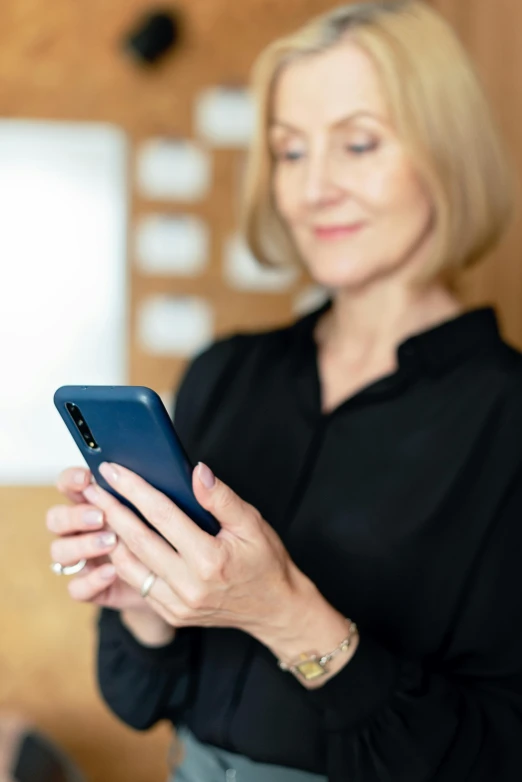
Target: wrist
(322, 643)
(307, 623)
(314, 668)
(147, 627)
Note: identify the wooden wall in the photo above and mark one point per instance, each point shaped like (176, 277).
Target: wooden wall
(61, 60)
(490, 33)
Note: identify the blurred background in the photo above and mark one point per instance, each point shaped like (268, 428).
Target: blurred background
(123, 134)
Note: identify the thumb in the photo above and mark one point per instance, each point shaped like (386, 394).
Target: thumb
(231, 511)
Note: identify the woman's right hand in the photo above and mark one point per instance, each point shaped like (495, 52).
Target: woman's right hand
(82, 534)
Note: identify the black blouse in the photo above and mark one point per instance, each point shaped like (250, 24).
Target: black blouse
(404, 506)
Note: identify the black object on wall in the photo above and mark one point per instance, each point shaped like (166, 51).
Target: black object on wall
(154, 35)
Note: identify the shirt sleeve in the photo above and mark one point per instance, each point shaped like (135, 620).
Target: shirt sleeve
(142, 684)
(388, 718)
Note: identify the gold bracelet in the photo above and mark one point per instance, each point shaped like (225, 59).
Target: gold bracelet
(312, 666)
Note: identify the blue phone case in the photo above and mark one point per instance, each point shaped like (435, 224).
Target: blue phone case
(132, 427)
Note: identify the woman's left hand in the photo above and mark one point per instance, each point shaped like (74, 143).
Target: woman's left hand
(242, 578)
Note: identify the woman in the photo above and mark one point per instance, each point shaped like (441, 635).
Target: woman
(369, 456)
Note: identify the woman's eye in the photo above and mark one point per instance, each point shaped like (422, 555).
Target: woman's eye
(290, 155)
(361, 149)
(283, 154)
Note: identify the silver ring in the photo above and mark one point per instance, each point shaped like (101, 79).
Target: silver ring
(147, 585)
(68, 570)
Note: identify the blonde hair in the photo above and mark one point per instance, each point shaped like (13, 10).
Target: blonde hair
(438, 109)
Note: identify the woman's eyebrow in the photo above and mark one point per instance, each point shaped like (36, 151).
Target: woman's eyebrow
(335, 125)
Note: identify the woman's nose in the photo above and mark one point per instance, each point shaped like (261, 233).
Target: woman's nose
(320, 185)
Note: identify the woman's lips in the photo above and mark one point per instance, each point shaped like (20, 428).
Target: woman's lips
(336, 231)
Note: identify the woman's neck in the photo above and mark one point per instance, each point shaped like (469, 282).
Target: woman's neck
(373, 323)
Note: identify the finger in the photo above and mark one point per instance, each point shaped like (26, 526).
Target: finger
(72, 482)
(190, 540)
(92, 582)
(67, 519)
(130, 569)
(223, 503)
(161, 596)
(69, 550)
(154, 552)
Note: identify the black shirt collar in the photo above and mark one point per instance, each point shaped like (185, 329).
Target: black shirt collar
(472, 333)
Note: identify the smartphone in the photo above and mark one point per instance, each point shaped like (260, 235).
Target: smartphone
(129, 425)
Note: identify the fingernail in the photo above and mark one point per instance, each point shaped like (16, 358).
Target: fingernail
(206, 476)
(105, 540)
(107, 571)
(79, 477)
(93, 517)
(109, 471)
(91, 493)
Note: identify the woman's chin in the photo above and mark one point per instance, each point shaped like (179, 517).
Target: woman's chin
(340, 279)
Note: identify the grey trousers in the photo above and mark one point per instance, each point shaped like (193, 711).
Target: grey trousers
(204, 763)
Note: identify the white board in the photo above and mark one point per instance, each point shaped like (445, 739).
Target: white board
(172, 244)
(63, 206)
(175, 325)
(173, 169)
(225, 116)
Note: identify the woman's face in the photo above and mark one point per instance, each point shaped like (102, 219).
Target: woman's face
(342, 181)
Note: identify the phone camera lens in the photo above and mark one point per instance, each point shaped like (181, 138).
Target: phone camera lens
(82, 427)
